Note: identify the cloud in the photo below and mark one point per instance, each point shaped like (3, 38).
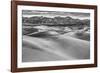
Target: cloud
(55, 13)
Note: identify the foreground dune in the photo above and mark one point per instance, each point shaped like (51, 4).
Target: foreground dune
(52, 48)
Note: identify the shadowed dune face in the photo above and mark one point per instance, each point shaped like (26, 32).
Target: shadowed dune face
(82, 36)
(51, 48)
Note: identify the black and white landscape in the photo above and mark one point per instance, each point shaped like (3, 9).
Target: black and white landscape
(55, 36)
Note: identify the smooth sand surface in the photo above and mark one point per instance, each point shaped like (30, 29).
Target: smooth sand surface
(52, 48)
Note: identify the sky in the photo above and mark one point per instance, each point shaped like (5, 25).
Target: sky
(76, 15)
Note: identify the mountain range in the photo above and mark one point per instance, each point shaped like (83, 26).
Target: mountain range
(55, 21)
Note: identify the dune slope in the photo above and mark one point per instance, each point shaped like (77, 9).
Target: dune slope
(54, 48)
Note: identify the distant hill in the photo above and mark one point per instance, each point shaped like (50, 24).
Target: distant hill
(54, 21)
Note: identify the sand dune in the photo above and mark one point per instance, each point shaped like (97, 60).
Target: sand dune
(52, 48)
